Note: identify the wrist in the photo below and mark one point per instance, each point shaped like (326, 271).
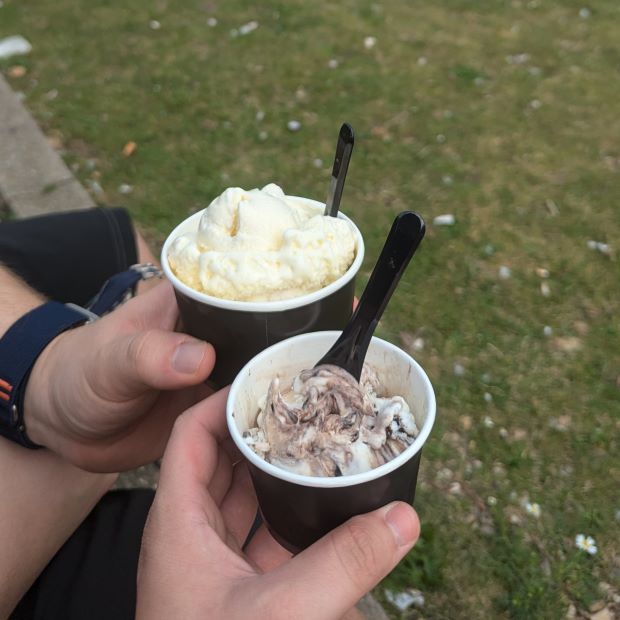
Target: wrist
(21, 348)
(40, 401)
(16, 299)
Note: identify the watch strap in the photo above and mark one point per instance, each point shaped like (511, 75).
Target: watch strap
(20, 347)
(121, 287)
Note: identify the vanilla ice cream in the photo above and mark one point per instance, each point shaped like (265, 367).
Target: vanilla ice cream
(262, 245)
(328, 424)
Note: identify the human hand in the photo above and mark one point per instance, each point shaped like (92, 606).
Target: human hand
(191, 564)
(105, 395)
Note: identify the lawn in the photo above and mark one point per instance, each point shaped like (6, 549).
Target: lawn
(502, 113)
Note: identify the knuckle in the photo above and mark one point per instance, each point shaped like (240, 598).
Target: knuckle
(137, 346)
(141, 353)
(181, 422)
(356, 549)
(185, 424)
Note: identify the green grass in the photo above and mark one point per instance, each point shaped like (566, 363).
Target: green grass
(495, 111)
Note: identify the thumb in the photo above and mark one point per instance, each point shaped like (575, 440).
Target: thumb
(155, 359)
(347, 563)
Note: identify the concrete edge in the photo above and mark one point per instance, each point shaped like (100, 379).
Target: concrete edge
(34, 179)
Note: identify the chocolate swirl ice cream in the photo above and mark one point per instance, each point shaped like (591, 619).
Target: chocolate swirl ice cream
(327, 424)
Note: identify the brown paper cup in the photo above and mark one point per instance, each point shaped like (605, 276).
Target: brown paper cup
(298, 510)
(240, 329)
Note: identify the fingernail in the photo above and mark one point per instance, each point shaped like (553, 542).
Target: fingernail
(187, 357)
(403, 522)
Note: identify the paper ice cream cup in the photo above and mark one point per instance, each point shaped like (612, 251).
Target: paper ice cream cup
(297, 509)
(240, 329)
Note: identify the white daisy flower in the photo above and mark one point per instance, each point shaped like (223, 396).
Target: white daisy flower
(533, 509)
(586, 543)
(488, 422)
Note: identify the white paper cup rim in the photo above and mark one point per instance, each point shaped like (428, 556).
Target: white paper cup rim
(339, 481)
(262, 306)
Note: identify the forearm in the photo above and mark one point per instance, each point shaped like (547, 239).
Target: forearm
(42, 497)
(16, 298)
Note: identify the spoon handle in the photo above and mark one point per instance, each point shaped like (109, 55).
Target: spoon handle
(344, 148)
(349, 350)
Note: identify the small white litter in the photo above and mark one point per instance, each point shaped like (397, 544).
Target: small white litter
(444, 220)
(405, 599)
(247, 28)
(293, 125)
(14, 46)
(458, 369)
(418, 344)
(599, 246)
(370, 42)
(504, 272)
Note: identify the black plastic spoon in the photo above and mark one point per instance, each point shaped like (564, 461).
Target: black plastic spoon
(349, 350)
(344, 148)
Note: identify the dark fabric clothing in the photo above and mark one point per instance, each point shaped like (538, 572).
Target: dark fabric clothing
(93, 576)
(68, 256)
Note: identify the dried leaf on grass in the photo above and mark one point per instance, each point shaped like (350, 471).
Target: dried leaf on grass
(129, 149)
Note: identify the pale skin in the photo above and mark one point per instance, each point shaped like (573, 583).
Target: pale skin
(104, 398)
(191, 565)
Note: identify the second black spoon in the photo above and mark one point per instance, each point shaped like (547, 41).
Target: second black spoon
(349, 350)
(344, 148)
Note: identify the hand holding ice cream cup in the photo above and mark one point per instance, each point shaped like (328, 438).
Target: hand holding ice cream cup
(256, 267)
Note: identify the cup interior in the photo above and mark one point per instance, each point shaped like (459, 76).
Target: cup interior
(191, 225)
(398, 372)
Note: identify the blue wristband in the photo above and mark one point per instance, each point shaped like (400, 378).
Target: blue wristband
(20, 347)
(121, 287)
